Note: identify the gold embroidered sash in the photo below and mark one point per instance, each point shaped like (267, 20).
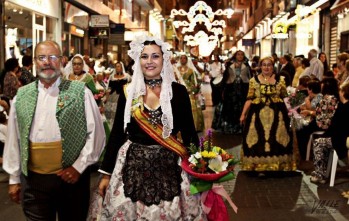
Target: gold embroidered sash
(170, 143)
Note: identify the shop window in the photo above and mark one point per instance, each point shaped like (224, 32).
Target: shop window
(128, 8)
(50, 28)
(18, 31)
(344, 45)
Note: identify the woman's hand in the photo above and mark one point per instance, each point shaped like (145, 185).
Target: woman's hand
(103, 185)
(307, 113)
(242, 119)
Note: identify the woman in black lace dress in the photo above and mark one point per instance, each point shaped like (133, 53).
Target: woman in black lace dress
(142, 178)
(267, 138)
(234, 90)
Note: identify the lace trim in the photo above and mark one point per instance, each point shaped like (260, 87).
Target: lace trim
(137, 86)
(151, 174)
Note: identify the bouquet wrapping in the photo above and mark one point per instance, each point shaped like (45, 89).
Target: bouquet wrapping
(208, 166)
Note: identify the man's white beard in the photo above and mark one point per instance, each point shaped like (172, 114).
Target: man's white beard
(49, 77)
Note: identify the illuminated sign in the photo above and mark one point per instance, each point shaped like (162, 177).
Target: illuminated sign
(280, 30)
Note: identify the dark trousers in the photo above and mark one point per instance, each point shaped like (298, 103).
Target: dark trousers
(216, 93)
(44, 196)
(303, 136)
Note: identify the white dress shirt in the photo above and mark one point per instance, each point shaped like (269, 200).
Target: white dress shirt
(216, 69)
(45, 128)
(316, 68)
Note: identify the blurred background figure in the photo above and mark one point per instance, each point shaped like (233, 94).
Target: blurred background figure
(77, 70)
(323, 58)
(117, 80)
(4, 111)
(335, 69)
(26, 70)
(216, 73)
(342, 73)
(297, 62)
(316, 66)
(255, 69)
(235, 86)
(11, 82)
(189, 75)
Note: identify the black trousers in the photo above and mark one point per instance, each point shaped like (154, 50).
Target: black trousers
(44, 196)
(216, 93)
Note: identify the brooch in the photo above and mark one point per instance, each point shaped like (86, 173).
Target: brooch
(61, 104)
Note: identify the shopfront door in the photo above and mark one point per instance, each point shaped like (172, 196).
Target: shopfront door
(39, 30)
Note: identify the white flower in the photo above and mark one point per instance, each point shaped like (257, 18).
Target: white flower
(192, 159)
(217, 165)
(198, 155)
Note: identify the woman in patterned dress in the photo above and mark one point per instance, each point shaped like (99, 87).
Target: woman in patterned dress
(117, 80)
(267, 139)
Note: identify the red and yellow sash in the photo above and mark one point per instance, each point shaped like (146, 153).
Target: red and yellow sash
(170, 143)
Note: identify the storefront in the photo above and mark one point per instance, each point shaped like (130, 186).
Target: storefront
(341, 9)
(75, 32)
(280, 34)
(310, 28)
(307, 30)
(263, 38)
(29, 22)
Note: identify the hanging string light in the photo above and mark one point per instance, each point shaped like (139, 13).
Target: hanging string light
(201, 13)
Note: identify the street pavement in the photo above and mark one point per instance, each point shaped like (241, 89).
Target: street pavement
(276, 196)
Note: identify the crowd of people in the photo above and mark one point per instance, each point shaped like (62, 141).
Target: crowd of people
(138, 124)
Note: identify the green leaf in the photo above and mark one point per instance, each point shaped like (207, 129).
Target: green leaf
(198, 186)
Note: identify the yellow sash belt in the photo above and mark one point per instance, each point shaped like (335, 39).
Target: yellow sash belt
(45, 158)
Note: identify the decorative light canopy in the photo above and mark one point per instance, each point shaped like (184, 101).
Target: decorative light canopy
(195, 15)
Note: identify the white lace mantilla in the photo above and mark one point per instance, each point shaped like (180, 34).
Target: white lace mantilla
(137, 87)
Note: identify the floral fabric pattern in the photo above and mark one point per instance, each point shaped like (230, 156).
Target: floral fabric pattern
(325, 111)
(117, 206)
(321, 150)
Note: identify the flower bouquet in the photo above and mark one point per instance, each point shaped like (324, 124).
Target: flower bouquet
(293, 102)
(296, 99)
(207, 166)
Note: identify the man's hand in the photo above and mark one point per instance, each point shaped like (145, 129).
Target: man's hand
(69, 175)
(14, 192)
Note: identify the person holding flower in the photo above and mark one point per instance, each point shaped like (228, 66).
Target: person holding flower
(153, 127)
(267, 138)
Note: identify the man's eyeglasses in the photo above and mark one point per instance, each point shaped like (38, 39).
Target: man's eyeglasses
(48, 58)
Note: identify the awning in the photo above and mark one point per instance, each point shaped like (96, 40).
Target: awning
(339, 6)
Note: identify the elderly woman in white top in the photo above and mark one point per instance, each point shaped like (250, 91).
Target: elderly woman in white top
(78, 70)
